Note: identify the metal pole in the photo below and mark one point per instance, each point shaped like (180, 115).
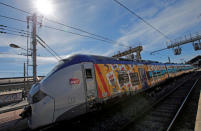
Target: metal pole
(34, 43)
(24, 74)
(27, 48)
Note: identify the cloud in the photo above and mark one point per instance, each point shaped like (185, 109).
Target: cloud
(40, 60)
(172, 21)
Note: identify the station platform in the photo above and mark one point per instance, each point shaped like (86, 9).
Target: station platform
(198, 117)
(9, 116)
(14, 106)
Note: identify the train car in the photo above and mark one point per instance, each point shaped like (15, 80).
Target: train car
(80, 83)
(157, 73)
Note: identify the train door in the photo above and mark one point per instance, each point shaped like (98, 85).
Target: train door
(147, 69)
(90, 83)
(143, 78)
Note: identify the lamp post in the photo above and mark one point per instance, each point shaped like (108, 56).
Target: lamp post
(17, 46)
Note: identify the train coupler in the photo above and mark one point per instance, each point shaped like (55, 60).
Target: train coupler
(26, 113)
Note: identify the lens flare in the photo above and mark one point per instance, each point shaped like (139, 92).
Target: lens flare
(45, 7)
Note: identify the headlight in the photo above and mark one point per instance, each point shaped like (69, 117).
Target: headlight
(38, 96)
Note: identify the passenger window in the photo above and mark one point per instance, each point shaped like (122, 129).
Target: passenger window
(123, 78)
(134, 78)
(88, 73)
(149, 74)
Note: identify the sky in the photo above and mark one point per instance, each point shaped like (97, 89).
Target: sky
(175, 18)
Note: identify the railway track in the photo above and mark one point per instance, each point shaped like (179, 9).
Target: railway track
(163, 113)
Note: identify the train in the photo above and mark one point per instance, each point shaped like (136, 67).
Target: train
(81, 83)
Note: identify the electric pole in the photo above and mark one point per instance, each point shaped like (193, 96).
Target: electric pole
(24, 74)
(28, 18)
(34, 43)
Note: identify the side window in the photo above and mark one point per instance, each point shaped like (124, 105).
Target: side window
(123, 78)
(88, 73)
(149, 74)
(142, 74)
(134, 78)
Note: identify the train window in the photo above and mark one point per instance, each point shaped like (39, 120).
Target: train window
(88, 73)
(158, 73)
(154, 73)
(149, 74)
(134, 78)
(142, 74)
(162, 72)
(123, 78)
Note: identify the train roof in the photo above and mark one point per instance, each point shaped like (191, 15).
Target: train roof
(78, 58)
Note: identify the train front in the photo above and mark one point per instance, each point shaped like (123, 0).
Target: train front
(41, 99)
(41, 106)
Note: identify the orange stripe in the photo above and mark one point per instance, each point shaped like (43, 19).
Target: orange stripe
(99, 92)
(102, 79)
(99, 83)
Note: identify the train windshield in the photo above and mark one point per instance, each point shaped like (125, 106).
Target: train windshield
(54, 69)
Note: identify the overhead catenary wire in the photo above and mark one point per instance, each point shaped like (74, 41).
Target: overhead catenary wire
(78, 29)
(1, 32)
(5, 26)
(58, 58)
(7, 17)
(14, 8)
(56, 22)
(67, 32)
(100, 37)
(54, 28)
(139, 17)
(105, 41)
(26, 35)
(14, 31)
(45, 44)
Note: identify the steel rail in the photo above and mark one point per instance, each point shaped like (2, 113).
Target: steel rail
(15, 84)
(13, 109)
(179, 110)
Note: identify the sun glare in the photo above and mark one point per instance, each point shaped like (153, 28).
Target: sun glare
(45, 7)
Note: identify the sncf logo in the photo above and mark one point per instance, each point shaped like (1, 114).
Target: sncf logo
(74, 81)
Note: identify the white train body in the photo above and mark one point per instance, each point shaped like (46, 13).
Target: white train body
(72, 88)
(61, 95)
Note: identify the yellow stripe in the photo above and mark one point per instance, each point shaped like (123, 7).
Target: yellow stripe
(99, 83)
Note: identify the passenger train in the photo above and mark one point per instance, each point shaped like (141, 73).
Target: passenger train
(81, 82)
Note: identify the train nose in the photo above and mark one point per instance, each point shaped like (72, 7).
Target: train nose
(42, 112)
